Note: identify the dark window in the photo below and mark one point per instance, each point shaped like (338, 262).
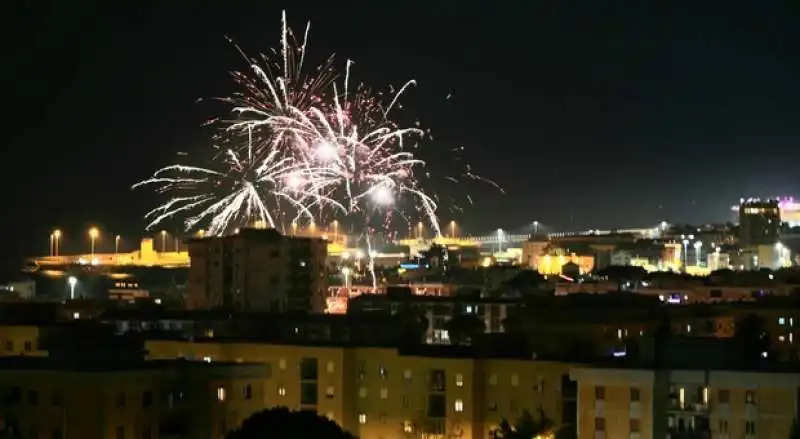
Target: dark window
(9, 345)
(121, 399)
(56, 399)
(437, 381)
(147, 432)
(14, 395)
(724, 396)
(57, 433)
(248, 392)
(437, 405)
(599, 393)
(120, 432)
(28, 346)
(308, 393)
(33, 397)
(147, 398)
(636, 395)
(308, 369)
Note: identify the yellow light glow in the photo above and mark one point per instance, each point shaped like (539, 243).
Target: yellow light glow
(94, 233)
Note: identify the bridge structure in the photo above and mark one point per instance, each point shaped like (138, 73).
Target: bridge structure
(497, 239)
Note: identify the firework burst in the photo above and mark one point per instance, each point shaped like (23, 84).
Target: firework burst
(238, 189)
(274, 85)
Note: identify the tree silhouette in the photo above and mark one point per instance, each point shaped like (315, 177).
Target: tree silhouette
(526, 427)
(794, 433)
(303, 424)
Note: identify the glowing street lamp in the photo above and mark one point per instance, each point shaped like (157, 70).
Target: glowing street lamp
(72, 281)
(163, 241)
(346, 272)
(93, 235)
(54, 238)
(697, 246)
(499, 240)
(116, 244)
(452, 229)
(335, 230)
(685, 252)
(535, 229)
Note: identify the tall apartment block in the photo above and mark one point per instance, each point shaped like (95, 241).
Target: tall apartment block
(257, 270)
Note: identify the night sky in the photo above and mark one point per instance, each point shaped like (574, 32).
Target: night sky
(611, 116)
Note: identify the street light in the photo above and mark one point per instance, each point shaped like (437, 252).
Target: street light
(535, 229)
(697, 246)
(499, 240)
(72, 281)
(93, 235)
(54, 238)
(346, 272)
(419, 229)
(452, 229)
(163, 241)
(685, 253)
(335, 230)
(116, 244)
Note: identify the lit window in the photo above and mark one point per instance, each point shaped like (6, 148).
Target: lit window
(781, 338)
(407, 375)
(281, 391)
(515, 380)
(459, 380)
(493, 379)
(781, 320)
(207, 359)
(329, 415)
(329, 392)
(282, 363)
(362, 392)
(220, 393)
(362, 418)
(329, 367)
(408, 427)
(459, 405)
(384, 393)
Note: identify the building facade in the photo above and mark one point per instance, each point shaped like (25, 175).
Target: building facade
(674, 404)
(258, 270)
(392, 394)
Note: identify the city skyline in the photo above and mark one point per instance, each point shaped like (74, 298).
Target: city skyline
(116, 117)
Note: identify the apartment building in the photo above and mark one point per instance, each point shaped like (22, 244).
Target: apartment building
(257, 270)
(434, 392)
(645, 403)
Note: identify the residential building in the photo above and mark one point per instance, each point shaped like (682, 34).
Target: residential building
(646, 403)
(759, 222)
(257, 270)
(432, 392)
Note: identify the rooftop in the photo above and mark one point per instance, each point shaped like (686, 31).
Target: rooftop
(23, 363)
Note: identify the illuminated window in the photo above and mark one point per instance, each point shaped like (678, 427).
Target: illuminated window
(515, 380)
(220, 393)
(408, 427)
(281, 391)
(682, 397)
(459, 380)
(329, 415)
(459, 405)
(329, 392)
(329, 367)
(362, 418)
(493, 379)
(407, 375)
(781, 320)
(362, 392)
(207, 359)
(282, 363)
(384, 393)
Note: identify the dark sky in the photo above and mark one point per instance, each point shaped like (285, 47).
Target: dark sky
(621, 114)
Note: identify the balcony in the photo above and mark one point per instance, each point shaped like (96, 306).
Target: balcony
(688, 406)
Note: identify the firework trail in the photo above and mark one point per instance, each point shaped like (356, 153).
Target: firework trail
(231, 193)
(277, 84)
